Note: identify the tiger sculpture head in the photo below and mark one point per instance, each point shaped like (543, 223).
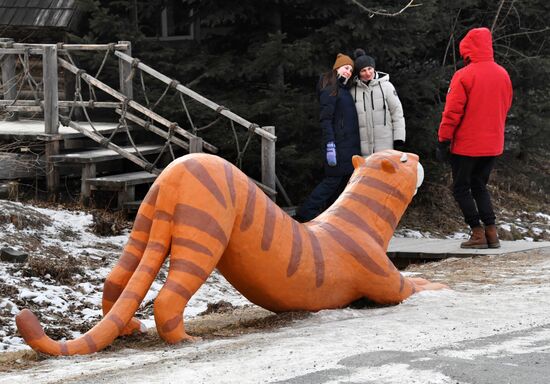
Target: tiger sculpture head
(203, 213)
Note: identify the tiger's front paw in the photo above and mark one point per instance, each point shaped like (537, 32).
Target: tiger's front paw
(421, 284)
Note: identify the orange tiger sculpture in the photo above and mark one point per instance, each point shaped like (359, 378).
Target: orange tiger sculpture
(207, 214)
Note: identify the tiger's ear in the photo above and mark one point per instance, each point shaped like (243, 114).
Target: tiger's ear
(387, 166)
(358, 161)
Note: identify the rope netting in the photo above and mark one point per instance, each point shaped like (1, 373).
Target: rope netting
(149, 96)
(18, 82)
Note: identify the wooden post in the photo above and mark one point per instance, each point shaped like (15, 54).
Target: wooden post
(195, 144)
(268, 161)
(51, 96)
(51, 114)
(88, 172)
(124, 71)
(8, 74)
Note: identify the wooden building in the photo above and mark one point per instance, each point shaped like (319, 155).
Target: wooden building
(127, 150)
(48, 21)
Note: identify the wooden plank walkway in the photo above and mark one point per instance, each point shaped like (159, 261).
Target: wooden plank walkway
(406, 250)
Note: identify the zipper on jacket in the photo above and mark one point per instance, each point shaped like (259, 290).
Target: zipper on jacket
(372, 100)
(384, 101)
(364, 103)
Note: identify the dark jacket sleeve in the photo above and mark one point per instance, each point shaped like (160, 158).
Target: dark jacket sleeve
(326, 116)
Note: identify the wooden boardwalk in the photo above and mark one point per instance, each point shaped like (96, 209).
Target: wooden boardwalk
(407, 250)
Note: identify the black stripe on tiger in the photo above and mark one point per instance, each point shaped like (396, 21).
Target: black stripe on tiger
(156, 246)
(201, 174)
(138, 244)
(116, 320)
(152, 195)
(296, 252)
(356, 251)
(178, 289)
(142, 223)
(380, 210)
(111, 291)
(163, 216)
(248, 215)
(148, 270)
(170, 325)
(192, 245)
(269, 224)
(358, 222)
(384, 187)
(128, 261)
(91, 343)
(318, 259)
(197, 218)
(228, 168)
(131, 296)
(187, 266)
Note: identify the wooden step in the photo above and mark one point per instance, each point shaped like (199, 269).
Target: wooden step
(121, 181)
(99, 155)
(123, 184)
(131, 206)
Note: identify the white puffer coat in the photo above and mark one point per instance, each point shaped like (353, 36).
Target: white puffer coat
(379, 112)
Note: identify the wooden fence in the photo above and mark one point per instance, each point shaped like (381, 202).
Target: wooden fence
(50, 103)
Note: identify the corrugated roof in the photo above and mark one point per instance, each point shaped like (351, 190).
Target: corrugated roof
(38, 13)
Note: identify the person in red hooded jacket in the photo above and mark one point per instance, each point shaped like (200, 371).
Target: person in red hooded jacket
(472, 130)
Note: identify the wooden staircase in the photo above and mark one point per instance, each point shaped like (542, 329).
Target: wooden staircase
(122, 184)
(73, 146)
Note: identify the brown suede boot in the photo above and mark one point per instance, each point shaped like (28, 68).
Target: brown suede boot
(477, 239)
(491, 235)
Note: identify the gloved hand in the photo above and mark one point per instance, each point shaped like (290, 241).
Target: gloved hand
(398, 145)
(331, 153)
(442, 152)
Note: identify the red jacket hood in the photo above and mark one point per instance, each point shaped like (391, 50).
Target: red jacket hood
(477, 45)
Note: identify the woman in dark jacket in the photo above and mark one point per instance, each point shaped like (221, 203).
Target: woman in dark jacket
(338, 119)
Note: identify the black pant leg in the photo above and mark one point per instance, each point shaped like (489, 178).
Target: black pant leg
(338, 190)
(480, 177)
(324, 194)
(462, 168)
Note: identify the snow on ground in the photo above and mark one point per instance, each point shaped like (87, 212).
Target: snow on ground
(493, 327)
(69, 304)
(321, 342)
(69, 232)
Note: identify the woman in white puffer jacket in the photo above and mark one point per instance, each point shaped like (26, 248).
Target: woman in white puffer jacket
(379, 110)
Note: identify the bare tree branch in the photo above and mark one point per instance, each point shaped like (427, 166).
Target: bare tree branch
(519, 53)
(497, 14)
(383, 12)
(522, 33)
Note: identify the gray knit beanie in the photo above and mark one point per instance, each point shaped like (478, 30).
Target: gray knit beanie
(362, 60)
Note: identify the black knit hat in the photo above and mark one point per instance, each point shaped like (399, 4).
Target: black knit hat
(362, 60)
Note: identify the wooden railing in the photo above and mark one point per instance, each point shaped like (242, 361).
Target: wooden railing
(50, 103)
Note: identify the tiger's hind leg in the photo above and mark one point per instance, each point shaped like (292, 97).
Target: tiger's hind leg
(190, 265)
